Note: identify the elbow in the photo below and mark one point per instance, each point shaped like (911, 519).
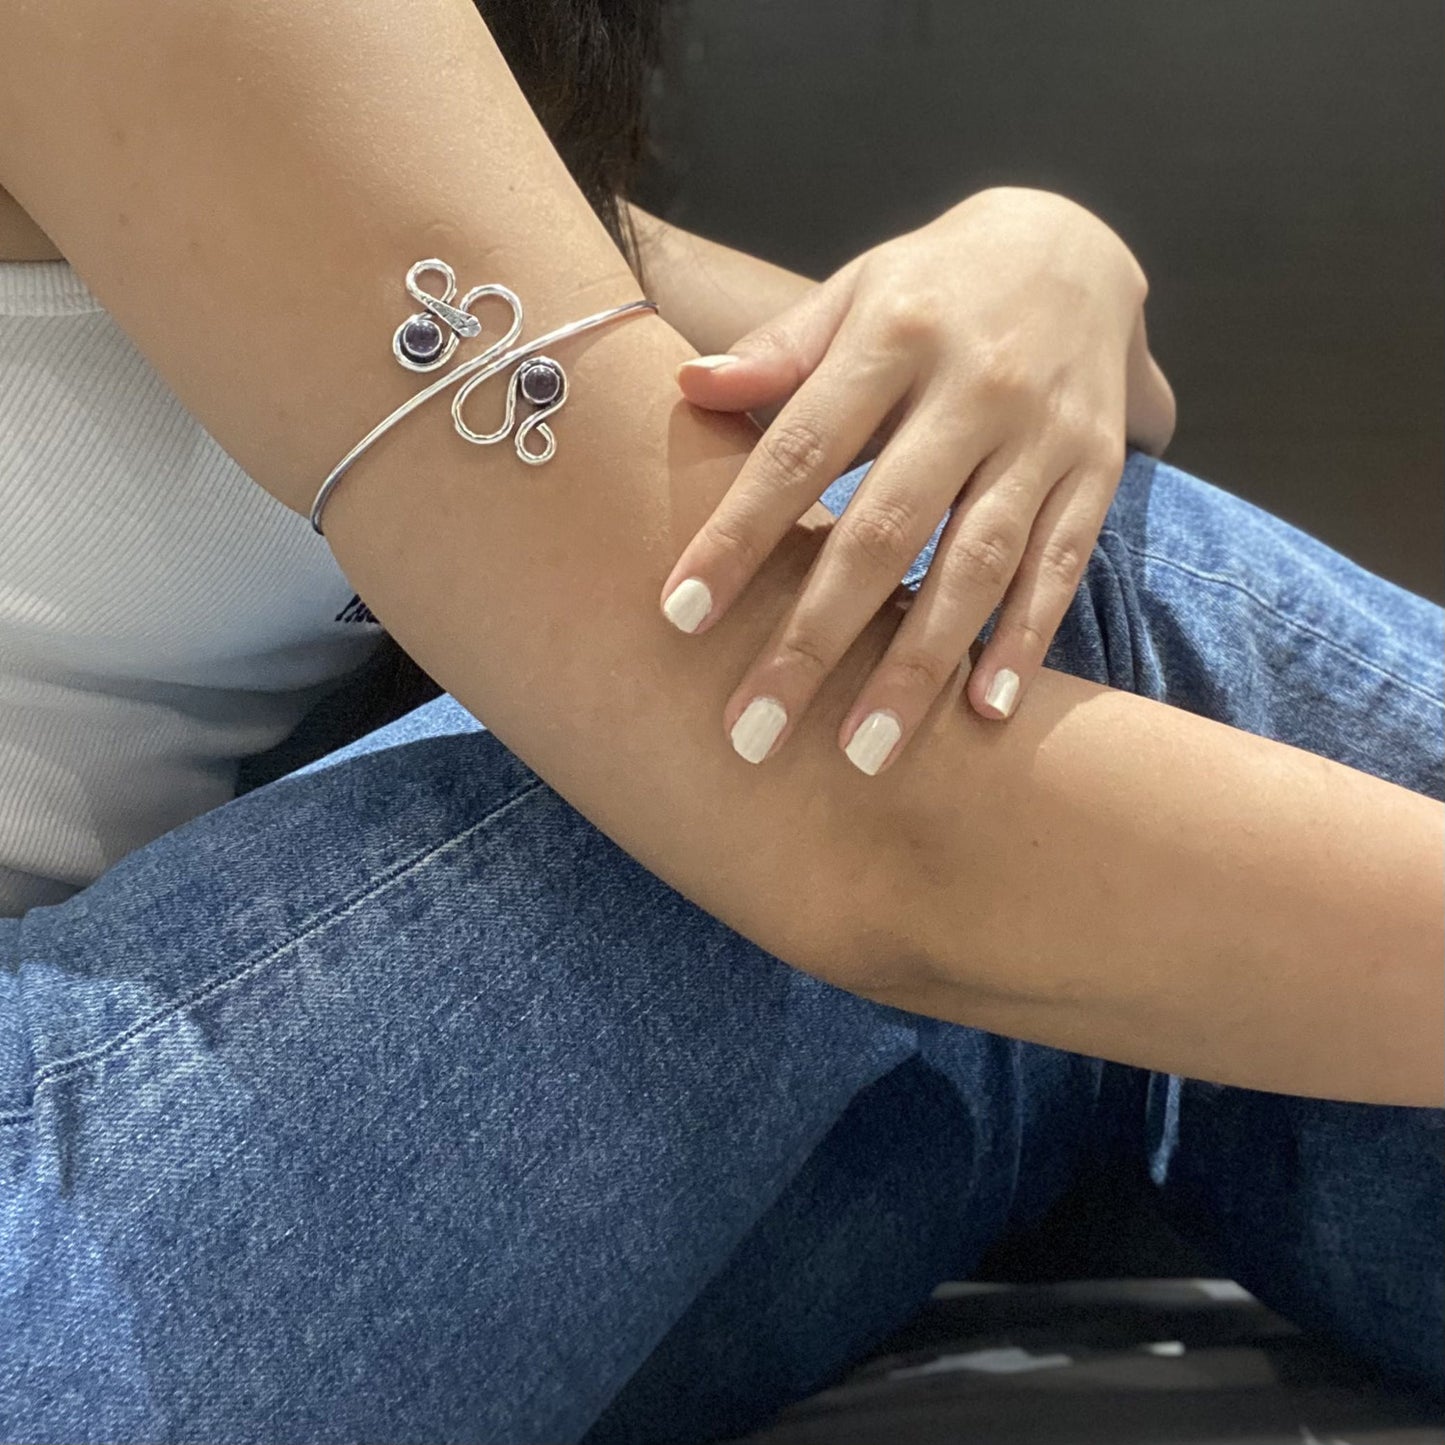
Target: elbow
(864, 956)
(891, 919)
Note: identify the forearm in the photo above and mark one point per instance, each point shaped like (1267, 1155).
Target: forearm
(1145, 884)
(1103, 874)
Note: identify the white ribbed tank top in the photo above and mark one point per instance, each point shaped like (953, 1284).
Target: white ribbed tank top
(161, 616)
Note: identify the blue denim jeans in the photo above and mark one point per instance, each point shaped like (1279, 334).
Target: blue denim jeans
(392, 1101)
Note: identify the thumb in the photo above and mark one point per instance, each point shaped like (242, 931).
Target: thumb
(772, 361)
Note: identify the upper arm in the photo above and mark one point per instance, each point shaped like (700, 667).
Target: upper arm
(244, 185)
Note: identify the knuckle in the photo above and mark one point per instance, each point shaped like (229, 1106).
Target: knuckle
(729, 535)
(882, 534)
(988, 557)
(920, 672)
(1030, 638)
(912, 319)
(1103, 444)
(1077, 418)
(1061, 560)
(1004, 380)
(1092, 440)
(769, 337)
(1113, 452)
(795, 451)
(804, 650)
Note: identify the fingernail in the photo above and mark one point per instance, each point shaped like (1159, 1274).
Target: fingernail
(712, 363)
(758, 728)
(1003, 691)
(873, 740)
(687, 604)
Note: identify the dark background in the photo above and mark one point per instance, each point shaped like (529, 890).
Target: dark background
(1278, 166)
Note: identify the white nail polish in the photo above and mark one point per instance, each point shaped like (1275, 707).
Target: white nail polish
(873, 740)
(1003, 690)
(687, 604)
(711, 363)
(758, 728)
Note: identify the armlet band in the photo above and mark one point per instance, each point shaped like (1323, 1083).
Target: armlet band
(427, 339)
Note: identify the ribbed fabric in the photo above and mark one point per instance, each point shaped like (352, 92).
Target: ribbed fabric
(161, 616)
(43, 288)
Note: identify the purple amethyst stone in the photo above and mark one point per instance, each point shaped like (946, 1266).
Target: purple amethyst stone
(541, 382)
(421, 339)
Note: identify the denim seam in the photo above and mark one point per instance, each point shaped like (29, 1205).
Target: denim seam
(1293, 622)
(60, 1068)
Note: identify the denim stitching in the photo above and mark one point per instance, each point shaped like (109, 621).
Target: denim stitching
(60, 1068)
(1294, 622)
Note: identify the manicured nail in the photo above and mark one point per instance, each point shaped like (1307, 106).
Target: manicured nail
(1003, 691)
(758, 728)
(687, 604)
(873, 740)
(712, 363)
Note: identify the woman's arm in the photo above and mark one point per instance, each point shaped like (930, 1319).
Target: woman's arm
(1201, 866)
(1147, 884)
(244, 186)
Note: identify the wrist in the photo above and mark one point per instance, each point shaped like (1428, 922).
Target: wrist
(1101, 263)
(1079, 243)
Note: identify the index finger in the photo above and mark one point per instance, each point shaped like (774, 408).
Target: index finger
(818, 432)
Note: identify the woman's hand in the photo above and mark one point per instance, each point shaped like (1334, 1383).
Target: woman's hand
(999, 353)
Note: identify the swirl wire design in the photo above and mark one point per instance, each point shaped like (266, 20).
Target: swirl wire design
(443, 324)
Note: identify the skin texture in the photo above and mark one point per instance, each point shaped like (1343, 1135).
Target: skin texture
(1104, 873)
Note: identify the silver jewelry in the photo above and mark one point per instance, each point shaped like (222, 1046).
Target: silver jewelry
(427, 339)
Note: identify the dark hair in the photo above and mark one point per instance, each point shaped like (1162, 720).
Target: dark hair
(586, 67)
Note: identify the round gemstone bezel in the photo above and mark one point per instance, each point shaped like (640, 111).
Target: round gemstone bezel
(414, 358)
(546, 371)
(434, 339)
